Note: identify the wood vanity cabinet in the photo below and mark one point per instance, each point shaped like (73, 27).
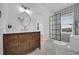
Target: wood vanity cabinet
(20, 43)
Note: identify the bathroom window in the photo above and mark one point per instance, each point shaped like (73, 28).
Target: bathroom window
(67, 23)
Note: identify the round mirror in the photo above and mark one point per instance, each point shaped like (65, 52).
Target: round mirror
(24, 19)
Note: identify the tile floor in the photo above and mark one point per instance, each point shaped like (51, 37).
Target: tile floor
(48, 47)
(63, 49)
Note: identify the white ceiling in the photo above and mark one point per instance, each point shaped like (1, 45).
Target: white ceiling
(50, 7)
(53, 7)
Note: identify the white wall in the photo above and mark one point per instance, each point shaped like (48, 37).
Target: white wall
(1, 41)
(41, 14)
(3, 9)
(13, 13)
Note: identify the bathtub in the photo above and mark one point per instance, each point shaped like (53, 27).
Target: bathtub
(74, 42)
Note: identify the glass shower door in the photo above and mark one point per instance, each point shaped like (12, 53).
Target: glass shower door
(55, 27)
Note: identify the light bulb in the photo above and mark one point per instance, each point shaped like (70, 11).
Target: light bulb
(21, 9)
(28, 11)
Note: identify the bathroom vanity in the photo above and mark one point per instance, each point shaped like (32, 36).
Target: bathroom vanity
(20, 42)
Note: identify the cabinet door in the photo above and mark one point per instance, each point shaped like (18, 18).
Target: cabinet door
(37, 35)
(23, 43)
(4, 44)
(37, 39)
(31, 42)
(11, 45)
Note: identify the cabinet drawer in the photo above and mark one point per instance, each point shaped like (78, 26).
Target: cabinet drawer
(10, 36)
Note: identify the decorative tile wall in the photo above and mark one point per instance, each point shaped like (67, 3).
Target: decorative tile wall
(54, 27)
(71, 9)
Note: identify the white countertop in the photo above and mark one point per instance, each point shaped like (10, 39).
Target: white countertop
(20, 32)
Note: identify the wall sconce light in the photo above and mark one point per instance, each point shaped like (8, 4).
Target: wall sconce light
(25, 9)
